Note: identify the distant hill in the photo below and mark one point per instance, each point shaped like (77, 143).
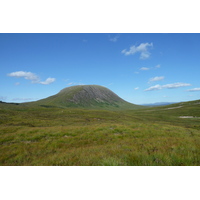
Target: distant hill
(159, 104)
(86, 96)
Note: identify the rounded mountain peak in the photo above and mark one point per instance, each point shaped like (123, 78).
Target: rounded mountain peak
(87, 96)
(90, 95)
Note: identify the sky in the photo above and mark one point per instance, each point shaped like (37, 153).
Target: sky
(140, 68)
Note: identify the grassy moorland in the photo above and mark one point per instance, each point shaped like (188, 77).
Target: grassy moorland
(72, 136)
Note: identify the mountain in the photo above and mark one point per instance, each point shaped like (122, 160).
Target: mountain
(86, 96)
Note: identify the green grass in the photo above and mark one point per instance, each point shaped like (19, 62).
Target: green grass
(42, 136)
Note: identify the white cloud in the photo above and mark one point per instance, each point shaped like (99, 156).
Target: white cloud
(144, 68)
(71, 83)
(31, 76)
(157, 78)
(144, 55)
(114, 39)
(176, 85)
(48, 81)
(137, 88)
(168, 86)
(155, 87)
(17, 83)
(157, 66)
(142, 49)
(194, 90)
(27, 75)
(149, 68)
(75, 83)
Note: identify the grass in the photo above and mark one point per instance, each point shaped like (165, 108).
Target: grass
(43, 136)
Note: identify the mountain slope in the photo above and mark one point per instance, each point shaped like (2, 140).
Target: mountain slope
(86, 96)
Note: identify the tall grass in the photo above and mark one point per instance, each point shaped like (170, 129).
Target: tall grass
(68, 137)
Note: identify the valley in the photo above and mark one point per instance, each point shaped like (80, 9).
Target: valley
(52, 135)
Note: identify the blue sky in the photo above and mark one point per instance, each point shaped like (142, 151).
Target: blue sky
(140, 68)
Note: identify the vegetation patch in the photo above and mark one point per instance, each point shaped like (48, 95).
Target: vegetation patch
(41, 136)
